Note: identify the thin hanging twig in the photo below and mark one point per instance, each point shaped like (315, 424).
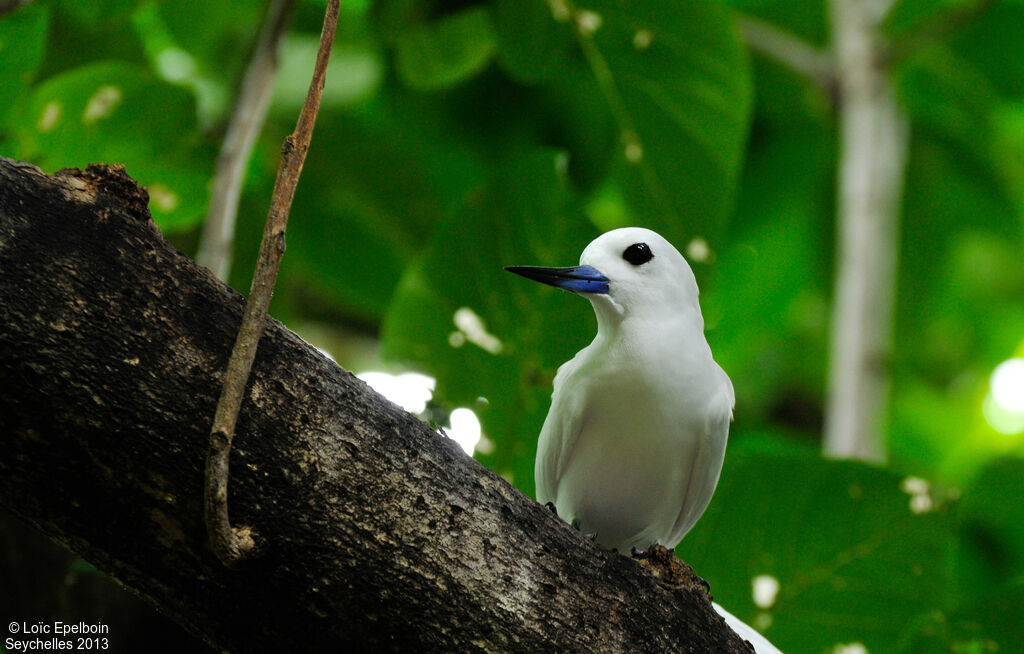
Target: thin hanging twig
(232, 544)
(246, 123)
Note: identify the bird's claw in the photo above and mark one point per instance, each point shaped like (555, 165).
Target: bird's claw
(704, 583)
(575, 524)
(551, 507)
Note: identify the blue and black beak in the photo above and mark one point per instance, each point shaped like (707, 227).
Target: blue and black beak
(578, 279)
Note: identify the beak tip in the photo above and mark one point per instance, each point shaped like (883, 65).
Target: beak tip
(576, 279)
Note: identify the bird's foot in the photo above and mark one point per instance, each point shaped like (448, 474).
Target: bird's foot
(551, 507)
(591, 536)
(667, 569)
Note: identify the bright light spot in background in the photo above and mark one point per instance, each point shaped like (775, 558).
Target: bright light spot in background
(175, 65)
(698, 250)
(920, 494)
(642, 39)
(409, 390)
(102, 103)
(354, 74)
(852, 648)
(765, 588)
(412, 391)
(1008, 384)
(456, 339)
(1004, 404)
(51, 114)
(331, 357)
(634, 151)
(162, 197)
(762, 621)
(472, 328)
(465, 429)
(588, 22)
(559, 10)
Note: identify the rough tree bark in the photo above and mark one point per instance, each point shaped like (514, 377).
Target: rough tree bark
(379, 533)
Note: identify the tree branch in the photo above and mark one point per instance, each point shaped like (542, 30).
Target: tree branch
(789, 50)
(379, 533)
(247, 120)
(234, 544)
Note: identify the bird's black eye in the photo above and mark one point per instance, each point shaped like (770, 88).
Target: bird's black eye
(637, 254)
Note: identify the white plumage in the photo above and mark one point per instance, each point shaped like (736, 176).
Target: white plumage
(632, 446)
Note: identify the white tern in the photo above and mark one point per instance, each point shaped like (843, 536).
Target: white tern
(633, 444)
(631, 449)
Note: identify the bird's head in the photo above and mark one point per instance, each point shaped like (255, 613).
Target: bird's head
(625, 271)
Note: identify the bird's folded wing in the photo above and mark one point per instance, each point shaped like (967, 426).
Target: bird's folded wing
(706, 462)
(559, 437)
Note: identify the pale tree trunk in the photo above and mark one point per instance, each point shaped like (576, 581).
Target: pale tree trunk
(873, 153)
(373, 532)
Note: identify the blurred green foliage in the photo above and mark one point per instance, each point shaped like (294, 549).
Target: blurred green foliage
(458, 137)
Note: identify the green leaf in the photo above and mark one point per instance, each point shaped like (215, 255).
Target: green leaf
(114, 112)
(371, 192)
(857, 552)
(992, 43)
(992, 529)
(990, 623)
(755, 309)
(22, 43)
(358, 228)
(951, 99)
(447, 51)
(930, 427)
(83, 33)
(218, 34)
(959, 311)
(907, 17)
(959, 103)
(524, 216)
(673, 78)
(984, 34)
(204, 45)
(354, 74)
(676, 79)
(89, 15)
(807, 19)
(533, 45)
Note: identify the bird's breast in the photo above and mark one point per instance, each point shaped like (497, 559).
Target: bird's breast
(628, 468)
(641, 424)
